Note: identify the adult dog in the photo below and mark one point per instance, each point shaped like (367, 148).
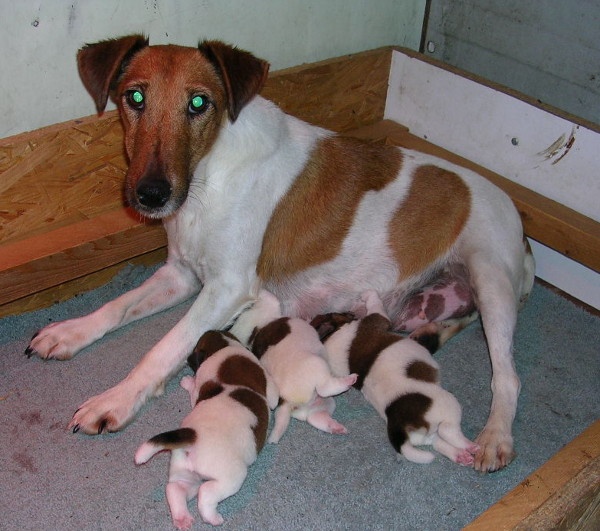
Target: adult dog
(251, 197)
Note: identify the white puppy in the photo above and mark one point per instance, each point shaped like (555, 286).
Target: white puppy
(291, 352)
(400, 379)
(221, 437)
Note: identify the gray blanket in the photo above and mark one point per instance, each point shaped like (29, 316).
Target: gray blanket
(53, 479)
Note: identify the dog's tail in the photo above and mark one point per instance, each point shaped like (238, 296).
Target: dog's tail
(168, 440)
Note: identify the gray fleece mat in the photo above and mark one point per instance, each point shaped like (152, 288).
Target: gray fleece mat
(53, 479)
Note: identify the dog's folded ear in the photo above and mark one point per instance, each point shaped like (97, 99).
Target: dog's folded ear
(242, 73)
(101, 63)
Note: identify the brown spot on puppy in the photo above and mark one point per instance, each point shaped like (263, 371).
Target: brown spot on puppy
(208, 390)
(406, 414)
(313, 218)
(257, 404)
(328, 323)
(270, 335)
(417, 238)
(239, 370)
(419, 370)
(373, 335)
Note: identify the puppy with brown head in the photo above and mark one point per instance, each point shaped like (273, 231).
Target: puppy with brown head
(221, 437)
(400, 379)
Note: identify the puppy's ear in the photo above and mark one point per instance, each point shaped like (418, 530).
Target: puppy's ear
(242, 73)
(210, 342)
(329, 323)
(100, 65)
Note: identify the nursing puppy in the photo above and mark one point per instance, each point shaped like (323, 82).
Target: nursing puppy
(400, 379)
(251, 197)
(291, 352)
(227, 427)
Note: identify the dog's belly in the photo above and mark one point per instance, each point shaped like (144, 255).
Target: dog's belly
(434, 296)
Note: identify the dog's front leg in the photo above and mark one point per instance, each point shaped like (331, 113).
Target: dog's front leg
(110, 411)
(170, 285)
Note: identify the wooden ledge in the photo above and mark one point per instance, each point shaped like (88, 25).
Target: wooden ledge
(564, 493)
(74, 251)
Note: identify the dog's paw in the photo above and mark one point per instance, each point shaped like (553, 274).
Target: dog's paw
(106, 413)
(495, 450)
(61, 341)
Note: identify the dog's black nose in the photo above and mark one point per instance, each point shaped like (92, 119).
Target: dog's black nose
(153, 193)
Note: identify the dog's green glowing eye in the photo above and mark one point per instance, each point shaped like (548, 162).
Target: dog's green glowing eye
(135, 99)
(197, 105)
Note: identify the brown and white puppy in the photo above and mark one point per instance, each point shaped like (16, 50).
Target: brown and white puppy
(221, 437)
(400, 379)
(251, 197)
(291, 352)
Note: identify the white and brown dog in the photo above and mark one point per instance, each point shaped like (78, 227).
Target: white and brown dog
(210, 454)
(292, 354)
(251, 197)
(400, 379)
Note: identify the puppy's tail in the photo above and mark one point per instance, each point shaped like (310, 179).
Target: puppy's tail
(168, 440)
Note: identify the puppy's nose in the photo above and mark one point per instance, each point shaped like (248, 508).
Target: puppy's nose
(153, 193)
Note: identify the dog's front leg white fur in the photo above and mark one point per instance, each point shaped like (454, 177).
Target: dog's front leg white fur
(110, 411)
(170, 285)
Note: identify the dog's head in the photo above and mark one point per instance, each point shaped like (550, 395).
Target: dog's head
(172, 101)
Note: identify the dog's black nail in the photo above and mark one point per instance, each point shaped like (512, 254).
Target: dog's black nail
(76, 428)
(35, 335)
(102, 426)
(28, 352)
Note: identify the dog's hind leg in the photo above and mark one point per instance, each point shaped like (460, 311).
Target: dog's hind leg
(497, 302)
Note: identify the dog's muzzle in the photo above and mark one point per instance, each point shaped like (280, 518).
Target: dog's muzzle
(153, 193)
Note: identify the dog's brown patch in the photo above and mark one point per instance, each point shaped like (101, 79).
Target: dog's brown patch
(419, 370)
(239, 370)
(311, 221)
(208, 390)
(373, 335)
(257, 404)
(429, 220)
(270, 335)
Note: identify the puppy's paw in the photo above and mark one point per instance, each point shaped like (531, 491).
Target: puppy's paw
(495, 450)
(61, 341)
(336, 428)
(465, 458)
(106, 413)
(184, 522)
